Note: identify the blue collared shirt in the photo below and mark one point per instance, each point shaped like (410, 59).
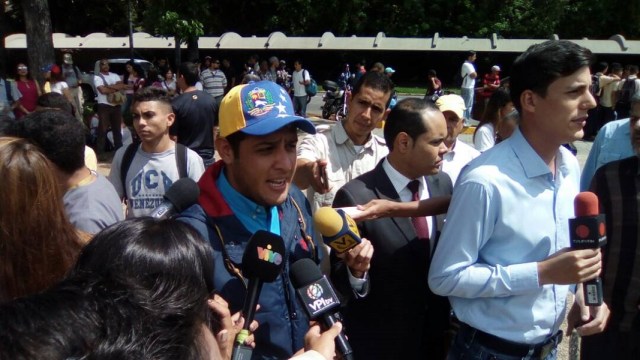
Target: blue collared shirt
(508, 212)
(612, 143)
(253, 216)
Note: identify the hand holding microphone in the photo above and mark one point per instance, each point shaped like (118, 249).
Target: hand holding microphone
(588, 232)
(318, 299)
(262, 262)
(340, 232)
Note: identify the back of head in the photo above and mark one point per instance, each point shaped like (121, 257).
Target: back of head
(375, 81)
(499, 99)
(543, 63)
(407, 116)
(166, 267)
(39, 244)
(54, 100)
(60, 136)
(144, 250)
(189, 71)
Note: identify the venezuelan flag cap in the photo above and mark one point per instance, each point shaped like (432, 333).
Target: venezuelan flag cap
(259, 108)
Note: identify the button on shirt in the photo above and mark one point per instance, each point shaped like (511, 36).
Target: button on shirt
(345, 161)
(454, 160)
(400, 183)
(508, 212)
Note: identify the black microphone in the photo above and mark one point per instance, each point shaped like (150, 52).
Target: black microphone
(182, 194)
(318, 299)
(262, 262)
(588, 231)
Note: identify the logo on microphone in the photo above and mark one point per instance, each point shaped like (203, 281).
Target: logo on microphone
(314, 291)
(269, 255)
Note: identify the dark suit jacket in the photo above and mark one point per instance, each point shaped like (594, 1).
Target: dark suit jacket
(389, 323)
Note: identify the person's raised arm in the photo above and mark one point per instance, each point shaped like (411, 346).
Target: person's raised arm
(379, 208)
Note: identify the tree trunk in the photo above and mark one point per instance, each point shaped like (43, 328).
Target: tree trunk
(178, 56)
(192, 49)
(38, 30)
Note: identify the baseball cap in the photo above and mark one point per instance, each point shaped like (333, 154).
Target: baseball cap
(389, 70)
(451, 102)
(259, 108)
(55, 69)
(47, 67)
(495, 68)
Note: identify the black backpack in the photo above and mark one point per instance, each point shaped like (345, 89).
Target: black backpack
(130, 152)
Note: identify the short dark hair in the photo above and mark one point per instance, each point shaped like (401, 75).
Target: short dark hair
(376, 81)
(600, 67)
(542, 64)
(59, 135)
(189, 71)
(152, 94)
(470, 53)
(54, 100)
(406, 117)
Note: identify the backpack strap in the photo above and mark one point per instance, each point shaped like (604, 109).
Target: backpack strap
(127, 159)
(7, 88)
(181, 160)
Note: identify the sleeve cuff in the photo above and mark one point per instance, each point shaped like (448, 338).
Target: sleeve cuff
(359, 286)
(524, 276)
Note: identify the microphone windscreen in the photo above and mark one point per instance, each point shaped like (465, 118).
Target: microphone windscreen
(182, 194)
(304, 272)
(263, 257)
(586, 204)
(328, 221)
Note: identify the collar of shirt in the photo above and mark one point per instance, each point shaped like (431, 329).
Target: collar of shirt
(341, 137)
(253, 216)
(400, 182)
(531, 162)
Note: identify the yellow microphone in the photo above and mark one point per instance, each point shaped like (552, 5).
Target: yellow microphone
(338, 229)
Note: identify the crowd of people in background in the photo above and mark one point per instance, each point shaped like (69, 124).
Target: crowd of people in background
(443, 246)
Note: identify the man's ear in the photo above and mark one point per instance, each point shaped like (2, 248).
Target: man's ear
(171, 118)
(528, 101)
(224, 150)
(403, 142)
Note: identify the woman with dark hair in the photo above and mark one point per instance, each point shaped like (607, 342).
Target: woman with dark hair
(58, 85)
(499, 105)
(434, 87)
(133, 80)
(38, 244)
(29, 89)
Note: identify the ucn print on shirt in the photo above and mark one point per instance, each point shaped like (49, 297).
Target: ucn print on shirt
(145, 189)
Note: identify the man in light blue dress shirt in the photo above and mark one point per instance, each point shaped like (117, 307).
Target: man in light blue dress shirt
(502, 259)
(611, 144)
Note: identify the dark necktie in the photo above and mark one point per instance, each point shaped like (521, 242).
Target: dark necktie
(420, 222)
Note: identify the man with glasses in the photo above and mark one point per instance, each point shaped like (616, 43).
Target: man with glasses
(214, 81)
(109, 114)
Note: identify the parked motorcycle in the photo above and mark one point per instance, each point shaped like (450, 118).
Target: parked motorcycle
(335, 106)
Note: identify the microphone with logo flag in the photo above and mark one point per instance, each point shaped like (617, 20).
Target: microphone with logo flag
(182, 194)
(338, 229)
(262, 262)
(588, 231)
(318, 299)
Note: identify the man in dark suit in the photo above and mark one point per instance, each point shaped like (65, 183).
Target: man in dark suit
(399, 318)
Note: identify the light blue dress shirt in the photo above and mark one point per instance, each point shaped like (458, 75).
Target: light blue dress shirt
(507, 213)
(613, 142)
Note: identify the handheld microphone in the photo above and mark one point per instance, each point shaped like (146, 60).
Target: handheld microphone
(318, 299)
(338, 229)
(262, 262)
(588, 231)
(182, 194)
